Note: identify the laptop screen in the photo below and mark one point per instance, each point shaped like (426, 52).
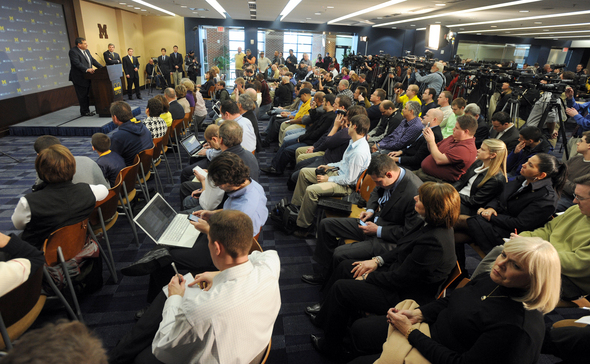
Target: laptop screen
(156, 217)
(191, 144)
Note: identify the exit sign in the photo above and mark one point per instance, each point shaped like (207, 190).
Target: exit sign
(220, 29)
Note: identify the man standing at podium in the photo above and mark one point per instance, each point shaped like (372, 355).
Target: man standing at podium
(130, 68)
(82, 62)
(110, 57)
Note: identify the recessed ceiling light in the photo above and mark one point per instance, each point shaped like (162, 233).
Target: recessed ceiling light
(330, 7)
(252, 10)
(308, 18)
(366, 10)
(251, 2)
(538, 22)
(122, 3)
(136, 8)
(412, 25)
(545, 30)
(440, 4)
(478, 34)
(461, 28)
(143, 10)
(393, 27)
(507, 32)
(129, 6)
(379, 17)
(202, 16)
(523, 11)
(183, 6)
(195, 12)
(437, 22)
(202, 9)
(318, 13)
(494, 26)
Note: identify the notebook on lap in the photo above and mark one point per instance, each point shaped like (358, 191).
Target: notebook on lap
(192, 145)
(164, 226)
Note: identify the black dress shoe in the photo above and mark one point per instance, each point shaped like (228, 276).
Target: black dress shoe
(314, 279)
(313, 309)
(304, 233)
(150, 262)
(140, 313)
(88, 114)
(271, 171)
(319, 344)
(139, 97)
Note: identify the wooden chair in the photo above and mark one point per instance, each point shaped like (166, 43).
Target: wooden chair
(263, 356)
(186, 122)
(255, 245)
(104, 217)
(20, 307)
(61, 246)
(144, 174)
(210, 93)
(128, 192)
(156, 160)
(165, 139)
(174, 138)
(455, 274)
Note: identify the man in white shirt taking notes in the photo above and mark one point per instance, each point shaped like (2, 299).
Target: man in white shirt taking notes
(230, 320)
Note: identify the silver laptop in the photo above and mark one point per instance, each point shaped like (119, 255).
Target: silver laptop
(161, 223)
(192, 145)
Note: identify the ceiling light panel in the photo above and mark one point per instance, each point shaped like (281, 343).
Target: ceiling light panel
(558, 15)
(367, 10)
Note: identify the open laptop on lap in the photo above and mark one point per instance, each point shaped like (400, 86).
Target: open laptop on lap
(192, 145)
(164, 226)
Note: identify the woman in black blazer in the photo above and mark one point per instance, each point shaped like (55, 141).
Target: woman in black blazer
(526, 203)
(484, 180)
(422, 260)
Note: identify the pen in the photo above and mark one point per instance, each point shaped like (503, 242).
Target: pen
(175, 270)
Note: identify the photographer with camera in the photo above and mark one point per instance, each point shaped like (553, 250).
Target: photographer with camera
(325, 83)
(193, 68)
(435, 79)
(504, 97)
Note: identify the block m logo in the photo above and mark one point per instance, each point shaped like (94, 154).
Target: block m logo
(102, 31)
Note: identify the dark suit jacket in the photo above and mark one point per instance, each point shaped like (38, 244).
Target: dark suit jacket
(176, 110)
(128, 67)
(415, 153)
(482, 132)
(111, 60)
(479, 196)
(419, 264)
(524, 211)
(397, 216)
(510, 137)
(165, 66)
(176, 60)
(80, 65)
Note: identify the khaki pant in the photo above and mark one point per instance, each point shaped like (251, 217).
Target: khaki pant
(300, 154)
(308, 192)
(284, 128)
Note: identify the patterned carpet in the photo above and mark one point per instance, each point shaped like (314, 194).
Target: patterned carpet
(110, 312)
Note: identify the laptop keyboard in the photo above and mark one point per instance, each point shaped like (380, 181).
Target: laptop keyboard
(175, 230)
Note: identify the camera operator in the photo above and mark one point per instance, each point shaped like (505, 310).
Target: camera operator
(580, 70)
(151, 74)
(249, 76)
(193, 67)
(435, 79)
(367, 67)
(504, 96)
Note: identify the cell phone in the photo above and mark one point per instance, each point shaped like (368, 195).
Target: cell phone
(362, 223)
(341, 112)
(192, 217)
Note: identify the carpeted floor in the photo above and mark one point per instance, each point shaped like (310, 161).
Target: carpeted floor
(110, 311)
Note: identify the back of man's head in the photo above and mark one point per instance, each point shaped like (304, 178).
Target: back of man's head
(387, 104)
(501, 117)
(170, 93)
(231, 133)
(459, 102)
(230, 107)
(44, 142)
(380, 165)
(228, 169)
(246, 102)
(101, 142)
(467, 122)
(531, 133)
(75, 341)
(473, 109)
(344, 102)
(211, 131)
(330, 98)
(233, 230)
(362, 123)
(122, 111)
(252, 93)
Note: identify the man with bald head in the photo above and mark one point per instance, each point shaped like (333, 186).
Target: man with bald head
(411, 157)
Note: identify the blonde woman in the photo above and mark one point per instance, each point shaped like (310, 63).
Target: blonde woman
(181, 98)
(496, 318)
(485, 179)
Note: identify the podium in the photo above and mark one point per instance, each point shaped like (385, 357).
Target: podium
(106, 87)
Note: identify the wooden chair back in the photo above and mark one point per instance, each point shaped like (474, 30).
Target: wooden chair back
(158, 145)
(128, 175)
(176, 126)
(108, 206)
(165, 139)
(145, 157)
(70, 238)
(187, 120)
(255, 246)
(456, 273)
(367, 186)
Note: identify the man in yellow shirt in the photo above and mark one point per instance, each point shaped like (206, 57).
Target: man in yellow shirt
(411, 95)
(240, 63)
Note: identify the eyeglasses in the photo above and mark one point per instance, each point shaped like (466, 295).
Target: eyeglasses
(576, 197)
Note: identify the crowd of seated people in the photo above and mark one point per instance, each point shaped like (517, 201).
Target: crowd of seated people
(443, 177)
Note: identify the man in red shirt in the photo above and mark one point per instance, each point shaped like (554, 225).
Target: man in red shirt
(451, 157)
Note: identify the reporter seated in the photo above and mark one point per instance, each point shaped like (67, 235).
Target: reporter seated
(501, 310)
(450, 158)
(577, 166)
(310, 188)
(230, 320)
(531, 142)
(412, 155)
(526, 203)
(404, 134)
(390, 119)
(422, 260)
(390, 215)
(22, 259)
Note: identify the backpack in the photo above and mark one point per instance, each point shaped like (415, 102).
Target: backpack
(284, 214)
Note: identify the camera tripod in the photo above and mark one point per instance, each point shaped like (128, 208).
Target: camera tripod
(556, 104)
(157, 73)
